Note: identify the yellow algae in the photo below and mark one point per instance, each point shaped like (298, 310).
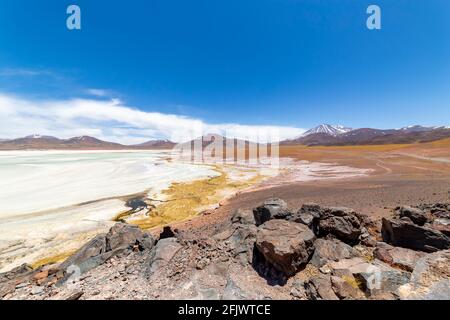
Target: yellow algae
(51, 259)
(185, 200)
(357, 284)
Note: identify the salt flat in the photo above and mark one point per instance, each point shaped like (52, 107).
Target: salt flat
(39, 181)
(51, 202)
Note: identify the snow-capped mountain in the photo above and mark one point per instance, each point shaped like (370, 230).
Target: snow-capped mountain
(338, 136)
(39, 136)
(419, 128)
(332, 130)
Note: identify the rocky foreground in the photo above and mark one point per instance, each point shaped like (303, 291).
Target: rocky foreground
(271, 252)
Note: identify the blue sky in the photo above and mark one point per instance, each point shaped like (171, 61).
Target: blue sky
(290, 63)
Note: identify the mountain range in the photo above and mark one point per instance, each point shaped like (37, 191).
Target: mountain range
(322, 135)
(38, 142)
(335, 135)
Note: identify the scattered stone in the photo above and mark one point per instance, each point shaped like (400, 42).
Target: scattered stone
(308, 215)
(402, 258)
(341, 223)
(16, 272)
(243, 217)
(167, 233)
(36, 290)
(416, 215)
(89, 256)
(319, 288)
(373, 278)
(202, 263)
(41, 275)
(75, 296)
(430, 279)
(285, 245)
(120, 238)
(366, 221)
(242, 243)
(442, 225)
(408, 235)
(123, 235)
(344, 263)
(233, 292)
(298, 290)
(6, 288)
(369, 241)
(21, 285)
(162, 254)
(209, 294)
(330, 250)
(345, 289)
(271, 209)
(312, 208)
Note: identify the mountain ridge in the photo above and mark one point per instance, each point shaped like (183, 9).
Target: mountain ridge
(40, 142)
(371, 136)
(322, 135)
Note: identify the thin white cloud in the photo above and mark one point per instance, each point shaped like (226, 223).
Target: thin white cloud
(97, 92)
(112, 120)
(22, 72)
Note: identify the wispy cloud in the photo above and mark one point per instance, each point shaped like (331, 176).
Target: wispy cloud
(98, 92)
(113, 120)
(22, 72)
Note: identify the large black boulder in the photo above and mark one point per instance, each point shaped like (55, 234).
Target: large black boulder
(273, 208)
(409, 235)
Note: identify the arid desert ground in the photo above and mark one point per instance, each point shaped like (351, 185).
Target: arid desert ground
(410, 173)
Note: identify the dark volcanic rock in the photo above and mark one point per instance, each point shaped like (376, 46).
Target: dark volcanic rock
(320, 288)
(16, 272)
(416, 215)
(271, 209)
(243, 217)
(374, 278)
(404, 234)
(298, 290)
(242, 243)
(346, 290)
(308, 215)
(341, 223)
(120, 238)
(399, 257)
(285, 245)
(162, 254)
(167, 233)
(330, 250)
(442, 225)
(91, 255)
(123, 235)
(8, 280)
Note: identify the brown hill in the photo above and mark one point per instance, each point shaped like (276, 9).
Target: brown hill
(155, 144)
(51, 143)
(37, 142)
